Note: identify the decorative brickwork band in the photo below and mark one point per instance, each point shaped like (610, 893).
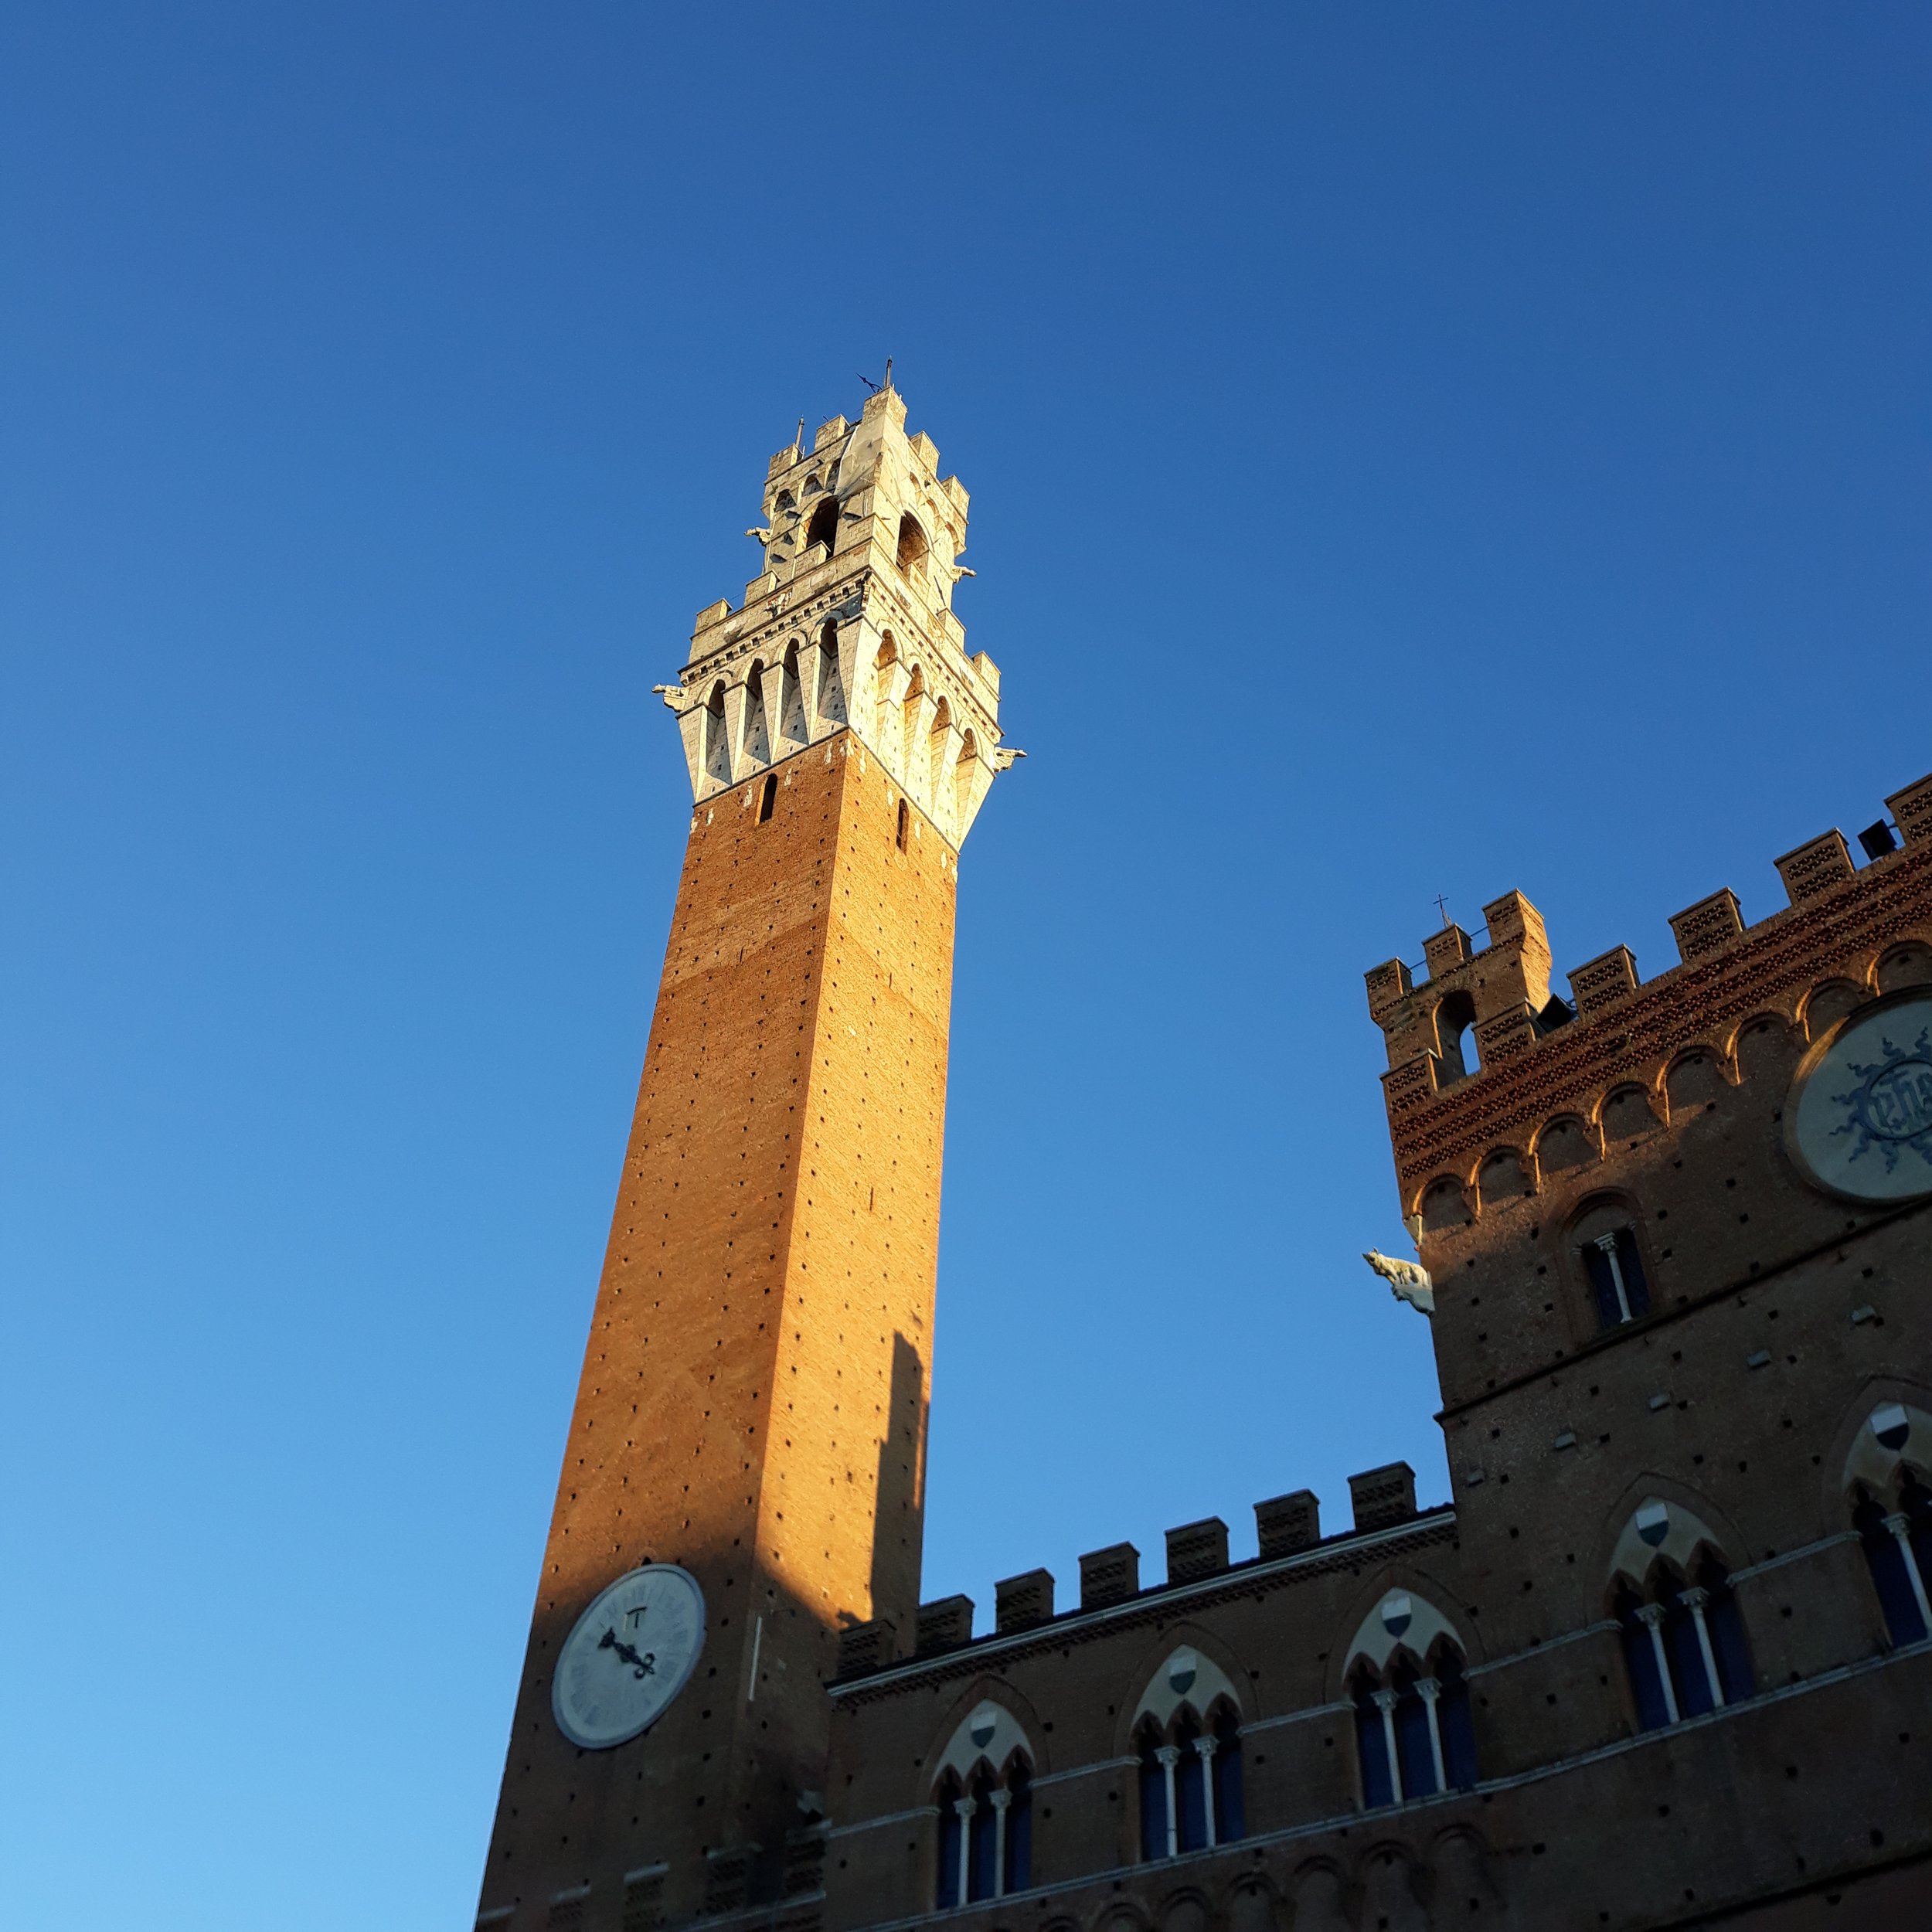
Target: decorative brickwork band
(1197, 1550)
(1442, 1123)
(1110, 1576)
(1503, 1034)
(1405, 1086)
(1703, 928)
(1815, 867)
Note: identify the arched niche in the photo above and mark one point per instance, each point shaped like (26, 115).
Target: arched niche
(1909, 964)
(1565, 1144)
(1444, 1205)
(1628, 1114)
(1827, 1003)
(1695, 1082)
(1765, 1049)
(1502, 1178)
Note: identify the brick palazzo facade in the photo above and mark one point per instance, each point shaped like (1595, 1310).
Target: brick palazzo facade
(1664, 1660)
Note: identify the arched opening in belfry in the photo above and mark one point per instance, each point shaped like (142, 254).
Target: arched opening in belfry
(717, 740)
(831, 685)
(911, 705)
(882, 673)
(824, 526)
(1456, 1036)
(792, 726)
(913, 546)
(941, 734)
(963, 779)
(757, 740)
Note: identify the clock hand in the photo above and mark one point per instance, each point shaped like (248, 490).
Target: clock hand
(644, 1665)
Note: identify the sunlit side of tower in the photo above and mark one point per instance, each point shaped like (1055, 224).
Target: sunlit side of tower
(753, 1400)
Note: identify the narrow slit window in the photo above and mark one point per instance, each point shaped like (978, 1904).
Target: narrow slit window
(768, 797)
(905, 825)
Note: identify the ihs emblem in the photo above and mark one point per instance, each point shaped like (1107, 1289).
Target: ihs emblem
(1891, 1107)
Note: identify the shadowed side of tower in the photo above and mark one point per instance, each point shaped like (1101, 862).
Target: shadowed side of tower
(753, 1405)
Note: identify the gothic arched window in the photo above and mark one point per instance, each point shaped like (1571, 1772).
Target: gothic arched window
(1190, 1780)
(717, 740)
(1684, 1643)
(824, 527)
(1413, 1734)
(913, 546)
(985, 1833)
(1155, 1842)
(1897, 1536)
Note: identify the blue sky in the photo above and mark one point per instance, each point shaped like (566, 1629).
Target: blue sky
(1414, 450)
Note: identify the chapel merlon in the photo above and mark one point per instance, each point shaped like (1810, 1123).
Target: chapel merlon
(1501, 989)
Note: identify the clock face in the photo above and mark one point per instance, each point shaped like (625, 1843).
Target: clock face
(629, 1656)
(1859, 1122)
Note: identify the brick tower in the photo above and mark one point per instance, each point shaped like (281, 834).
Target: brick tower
(752, 1411)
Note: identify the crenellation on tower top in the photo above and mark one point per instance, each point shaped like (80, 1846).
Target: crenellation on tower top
(849, 627)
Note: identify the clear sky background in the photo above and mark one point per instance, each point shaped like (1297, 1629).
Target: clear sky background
(1413, 450)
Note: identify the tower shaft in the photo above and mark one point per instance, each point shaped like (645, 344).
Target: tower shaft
(753, 1399)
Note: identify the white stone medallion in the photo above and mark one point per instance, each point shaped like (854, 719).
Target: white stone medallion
(629, 1655)
(1859, 1123)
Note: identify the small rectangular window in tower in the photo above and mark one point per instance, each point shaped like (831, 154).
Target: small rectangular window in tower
(905, 823)
(769, 797)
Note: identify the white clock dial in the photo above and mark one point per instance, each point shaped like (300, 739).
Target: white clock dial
(629, 1655)
(1859, 1119)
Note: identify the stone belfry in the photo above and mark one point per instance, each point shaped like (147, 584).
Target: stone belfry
(744, 1475)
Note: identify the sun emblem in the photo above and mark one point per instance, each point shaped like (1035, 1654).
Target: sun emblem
(1890, 1108)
